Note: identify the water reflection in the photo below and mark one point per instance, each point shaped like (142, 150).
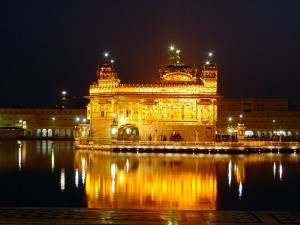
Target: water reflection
(240, 190)
(46, 173)
(62, 180)
(147, 181)
(170, 181)
(38, 173)
(229, 173)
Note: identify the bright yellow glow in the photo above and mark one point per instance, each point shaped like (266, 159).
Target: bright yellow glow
(24, 124)
(155, 106)
(122, 120)
(121, 177)
(94, 90)
(163, 181)
(114, 130)
(113, 171)
(165, 185)
(127, 165)
(178, 77)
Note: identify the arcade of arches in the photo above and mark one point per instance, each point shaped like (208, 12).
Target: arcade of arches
(44, 132)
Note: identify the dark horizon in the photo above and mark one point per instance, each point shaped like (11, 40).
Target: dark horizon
(51, 46)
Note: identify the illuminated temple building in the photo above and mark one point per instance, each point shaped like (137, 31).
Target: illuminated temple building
(180, 105)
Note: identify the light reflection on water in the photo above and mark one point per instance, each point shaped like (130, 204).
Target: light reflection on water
(148, 181)
(46, 173)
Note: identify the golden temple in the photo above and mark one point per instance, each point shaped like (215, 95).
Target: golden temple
(180, 105)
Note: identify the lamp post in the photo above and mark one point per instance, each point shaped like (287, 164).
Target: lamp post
(233, 130)
(64, 100)
(240, 129)
(241, 118)
(229, 127)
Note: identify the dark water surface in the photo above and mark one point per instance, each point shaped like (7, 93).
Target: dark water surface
(46, 174)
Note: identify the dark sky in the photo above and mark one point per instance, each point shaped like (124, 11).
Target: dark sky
(47, 46)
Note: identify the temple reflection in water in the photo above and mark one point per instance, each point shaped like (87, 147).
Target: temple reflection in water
(44, 173)
(153, 182)
(162, 181)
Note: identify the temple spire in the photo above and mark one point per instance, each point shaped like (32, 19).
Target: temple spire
(106, 71)
(177, 56)
(174, 56)
(106, 57)
(209, 59)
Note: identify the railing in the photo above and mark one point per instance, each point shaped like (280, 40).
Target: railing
(259, 143)
(241, 143)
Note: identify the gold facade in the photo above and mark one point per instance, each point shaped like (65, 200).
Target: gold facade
(181, 101)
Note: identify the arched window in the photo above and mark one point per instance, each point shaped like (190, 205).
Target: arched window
(68, 133)
(50, 133)
(62, 133)
(128, 132)
(44, 132)
(39, 132)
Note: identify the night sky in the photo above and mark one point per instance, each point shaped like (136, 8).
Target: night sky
(47, 46)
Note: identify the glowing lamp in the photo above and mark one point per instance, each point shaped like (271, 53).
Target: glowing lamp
(114, 130)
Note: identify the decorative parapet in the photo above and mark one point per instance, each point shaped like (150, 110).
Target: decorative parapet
(157, 88)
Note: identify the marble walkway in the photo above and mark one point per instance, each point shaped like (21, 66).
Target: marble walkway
(72, 216)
